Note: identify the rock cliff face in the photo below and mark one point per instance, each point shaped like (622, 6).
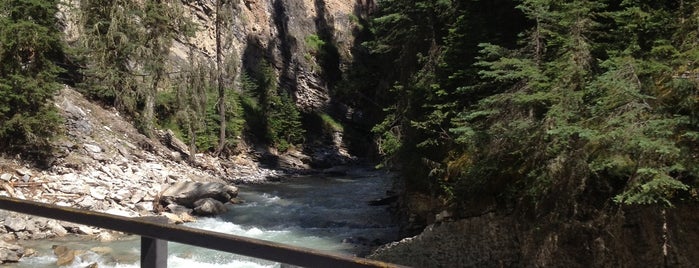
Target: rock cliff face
(276, 31)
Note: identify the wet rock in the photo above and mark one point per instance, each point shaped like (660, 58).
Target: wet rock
(28, 252)
(384, 201)
(10, 252)
(64, 255)
(102, 250)
(209, 207)
(106, 237)
(177, 209)
(186, 193)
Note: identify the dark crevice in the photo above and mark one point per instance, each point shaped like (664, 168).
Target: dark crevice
(329, 58)
(286, 45)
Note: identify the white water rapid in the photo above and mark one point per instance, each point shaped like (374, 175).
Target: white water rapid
(324, 213)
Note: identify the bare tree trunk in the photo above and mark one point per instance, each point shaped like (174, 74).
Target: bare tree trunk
(149, 108)
(219, 78)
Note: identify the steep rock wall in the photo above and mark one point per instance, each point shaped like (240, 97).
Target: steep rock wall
(276, 31)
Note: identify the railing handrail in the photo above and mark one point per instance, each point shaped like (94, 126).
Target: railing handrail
(196, 237)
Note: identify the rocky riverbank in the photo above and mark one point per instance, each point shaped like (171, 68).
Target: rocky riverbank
(103, 164)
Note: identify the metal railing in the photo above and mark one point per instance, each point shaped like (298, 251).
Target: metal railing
(154, 237)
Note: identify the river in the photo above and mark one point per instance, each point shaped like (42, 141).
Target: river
(324, 213)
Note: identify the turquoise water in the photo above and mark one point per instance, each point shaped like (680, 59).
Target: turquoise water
(321, 213)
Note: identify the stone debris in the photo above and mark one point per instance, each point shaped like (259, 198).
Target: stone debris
(112, 169)
(118, 171)
(10, 252)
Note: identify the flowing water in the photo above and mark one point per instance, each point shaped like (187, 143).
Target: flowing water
(324, 213)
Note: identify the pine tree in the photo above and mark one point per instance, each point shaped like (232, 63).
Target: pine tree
(29, 42)
(282, 118)
(110, 43)
(561, 120)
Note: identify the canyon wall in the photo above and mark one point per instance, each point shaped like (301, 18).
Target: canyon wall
(278, 32)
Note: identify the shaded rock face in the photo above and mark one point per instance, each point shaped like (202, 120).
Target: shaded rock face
(632, 237)
(206, 198)
(276, 31)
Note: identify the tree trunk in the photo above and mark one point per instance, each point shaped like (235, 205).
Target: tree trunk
(219, 81)
(149, 108)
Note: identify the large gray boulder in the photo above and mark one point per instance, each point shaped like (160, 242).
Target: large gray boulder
(187, 193)
(209, 207)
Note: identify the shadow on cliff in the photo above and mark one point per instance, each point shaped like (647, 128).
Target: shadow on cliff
(329, 58)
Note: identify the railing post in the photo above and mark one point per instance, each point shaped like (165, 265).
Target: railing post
(153, 253)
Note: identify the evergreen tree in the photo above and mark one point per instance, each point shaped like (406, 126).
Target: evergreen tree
(564, 121)
(433, 44)
(29, 42)
(159, 25)
(126, 44)
(282, 117)
(109, 43)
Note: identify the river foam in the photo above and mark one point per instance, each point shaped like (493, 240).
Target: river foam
(328, 214)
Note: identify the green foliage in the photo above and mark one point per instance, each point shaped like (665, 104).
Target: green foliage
(315, 43)
(191, 109)
(330, 124)
(29, 43)
(582, 95)
(282, 119)
(109, 44)
(126, 45)
(565, 119)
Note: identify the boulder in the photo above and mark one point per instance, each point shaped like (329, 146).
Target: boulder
(56, 228)
(209, 207)
(186, 193)
(10, 252)
(64, 255)
(169, 139)
(16, 224)
(177, 209)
